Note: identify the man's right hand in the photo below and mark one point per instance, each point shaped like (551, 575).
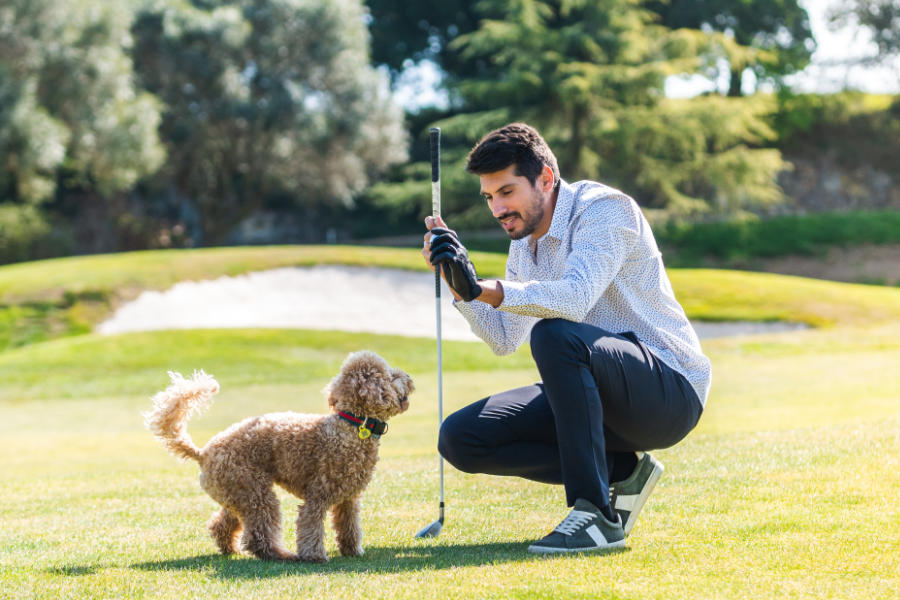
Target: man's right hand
(430, 223)
(459, 272)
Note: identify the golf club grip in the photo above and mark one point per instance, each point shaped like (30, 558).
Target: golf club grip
(435, 154)
(435, 138)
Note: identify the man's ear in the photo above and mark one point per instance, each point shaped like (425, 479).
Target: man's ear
(547, 179)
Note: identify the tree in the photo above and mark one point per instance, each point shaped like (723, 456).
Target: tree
(70, 117)
(412, 31)
(590, 75)
(266, 97)
(880, 18)
(780, 29)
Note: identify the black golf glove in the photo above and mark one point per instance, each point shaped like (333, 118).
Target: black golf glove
(448, 252)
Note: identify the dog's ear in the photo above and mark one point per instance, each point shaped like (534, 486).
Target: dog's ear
(402, 383)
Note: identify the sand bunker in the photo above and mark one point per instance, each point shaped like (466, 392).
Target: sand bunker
(372, 300)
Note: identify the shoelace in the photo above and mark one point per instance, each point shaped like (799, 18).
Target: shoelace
(575, 521)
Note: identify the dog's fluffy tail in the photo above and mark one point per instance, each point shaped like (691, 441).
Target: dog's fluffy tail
(173, 407)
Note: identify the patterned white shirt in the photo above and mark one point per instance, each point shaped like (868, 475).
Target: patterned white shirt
(598, 264)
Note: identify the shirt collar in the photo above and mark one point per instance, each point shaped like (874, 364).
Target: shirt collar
(559, 225)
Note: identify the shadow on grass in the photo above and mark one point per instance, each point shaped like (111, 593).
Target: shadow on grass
(376, 560)
(73, 571)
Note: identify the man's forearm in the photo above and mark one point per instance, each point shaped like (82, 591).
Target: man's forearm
(491, 292)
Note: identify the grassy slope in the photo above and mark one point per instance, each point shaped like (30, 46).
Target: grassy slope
(56, 298)
(788, 487)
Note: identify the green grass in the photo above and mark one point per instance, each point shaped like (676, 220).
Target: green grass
(788, 488)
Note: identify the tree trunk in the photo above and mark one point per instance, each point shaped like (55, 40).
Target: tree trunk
(576, 141)
(734, 87)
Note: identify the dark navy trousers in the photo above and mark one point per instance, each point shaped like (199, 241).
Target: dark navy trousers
(603, 396)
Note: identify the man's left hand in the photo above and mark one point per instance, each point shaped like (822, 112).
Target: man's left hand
(459, 272)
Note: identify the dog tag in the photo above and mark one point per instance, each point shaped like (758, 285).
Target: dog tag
(363, 432)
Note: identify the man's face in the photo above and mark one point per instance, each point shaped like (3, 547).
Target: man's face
(514, 202)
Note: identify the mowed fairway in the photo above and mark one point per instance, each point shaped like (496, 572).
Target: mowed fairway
(788, 488)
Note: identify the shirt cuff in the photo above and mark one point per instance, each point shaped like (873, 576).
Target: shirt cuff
(468, 309)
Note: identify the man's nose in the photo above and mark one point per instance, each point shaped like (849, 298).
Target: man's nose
(498, 208)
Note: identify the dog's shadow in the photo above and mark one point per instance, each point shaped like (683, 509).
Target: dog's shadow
(386, 559)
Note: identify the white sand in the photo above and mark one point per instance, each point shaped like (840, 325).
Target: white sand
(326, 297)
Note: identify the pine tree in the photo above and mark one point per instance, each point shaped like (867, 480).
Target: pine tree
(590, 75)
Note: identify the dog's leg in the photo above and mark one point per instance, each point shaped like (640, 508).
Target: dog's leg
(262, 528)
(311, 531)
(224, 526)
(345, 518)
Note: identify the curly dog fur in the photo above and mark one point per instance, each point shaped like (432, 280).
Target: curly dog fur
(318, 458)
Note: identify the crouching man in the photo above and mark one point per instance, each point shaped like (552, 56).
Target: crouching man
(621, 367)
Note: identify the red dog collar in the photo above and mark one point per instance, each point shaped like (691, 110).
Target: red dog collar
(367, 426)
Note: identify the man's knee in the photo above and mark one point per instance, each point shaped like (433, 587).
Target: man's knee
(455, 443)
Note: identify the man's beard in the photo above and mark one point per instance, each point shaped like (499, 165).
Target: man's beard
(530, 220)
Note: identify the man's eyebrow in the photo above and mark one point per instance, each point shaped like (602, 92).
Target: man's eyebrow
(500, 189)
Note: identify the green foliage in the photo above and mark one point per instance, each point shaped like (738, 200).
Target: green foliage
(858, 130)
(746, 239)
(779, 29)
(32, 143)
(405, 31)
(262, 98)
(20, 228)
(68, 107)
(590, 76)
(879, 18)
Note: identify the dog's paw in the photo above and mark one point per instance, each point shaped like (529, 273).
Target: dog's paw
(312, 557)
(351, 550)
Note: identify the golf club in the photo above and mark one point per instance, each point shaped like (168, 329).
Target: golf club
(435, 528)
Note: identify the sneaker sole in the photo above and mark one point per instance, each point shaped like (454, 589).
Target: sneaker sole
(548, 550)
(642, 497)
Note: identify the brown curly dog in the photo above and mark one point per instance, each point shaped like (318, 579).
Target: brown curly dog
(327, 460)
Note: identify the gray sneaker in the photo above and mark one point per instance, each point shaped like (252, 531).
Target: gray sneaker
(585, 529)
(629, 496)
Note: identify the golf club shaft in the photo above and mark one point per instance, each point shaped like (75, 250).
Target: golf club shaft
(436, 213)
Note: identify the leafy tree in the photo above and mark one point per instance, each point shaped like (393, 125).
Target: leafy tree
(780, 29)
(263, 98)
(70, 117)
(403, 30)
(68, 100)
(881, 18)
(590, 76)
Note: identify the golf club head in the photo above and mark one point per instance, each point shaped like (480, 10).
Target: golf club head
(429, 531)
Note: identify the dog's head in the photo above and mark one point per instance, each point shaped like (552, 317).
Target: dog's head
(367, 386)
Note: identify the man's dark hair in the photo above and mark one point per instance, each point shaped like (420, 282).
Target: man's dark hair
(518, 144)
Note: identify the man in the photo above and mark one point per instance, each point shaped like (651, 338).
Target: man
(621, 367)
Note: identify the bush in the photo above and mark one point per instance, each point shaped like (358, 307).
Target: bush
(25, 234)
(740, 240)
